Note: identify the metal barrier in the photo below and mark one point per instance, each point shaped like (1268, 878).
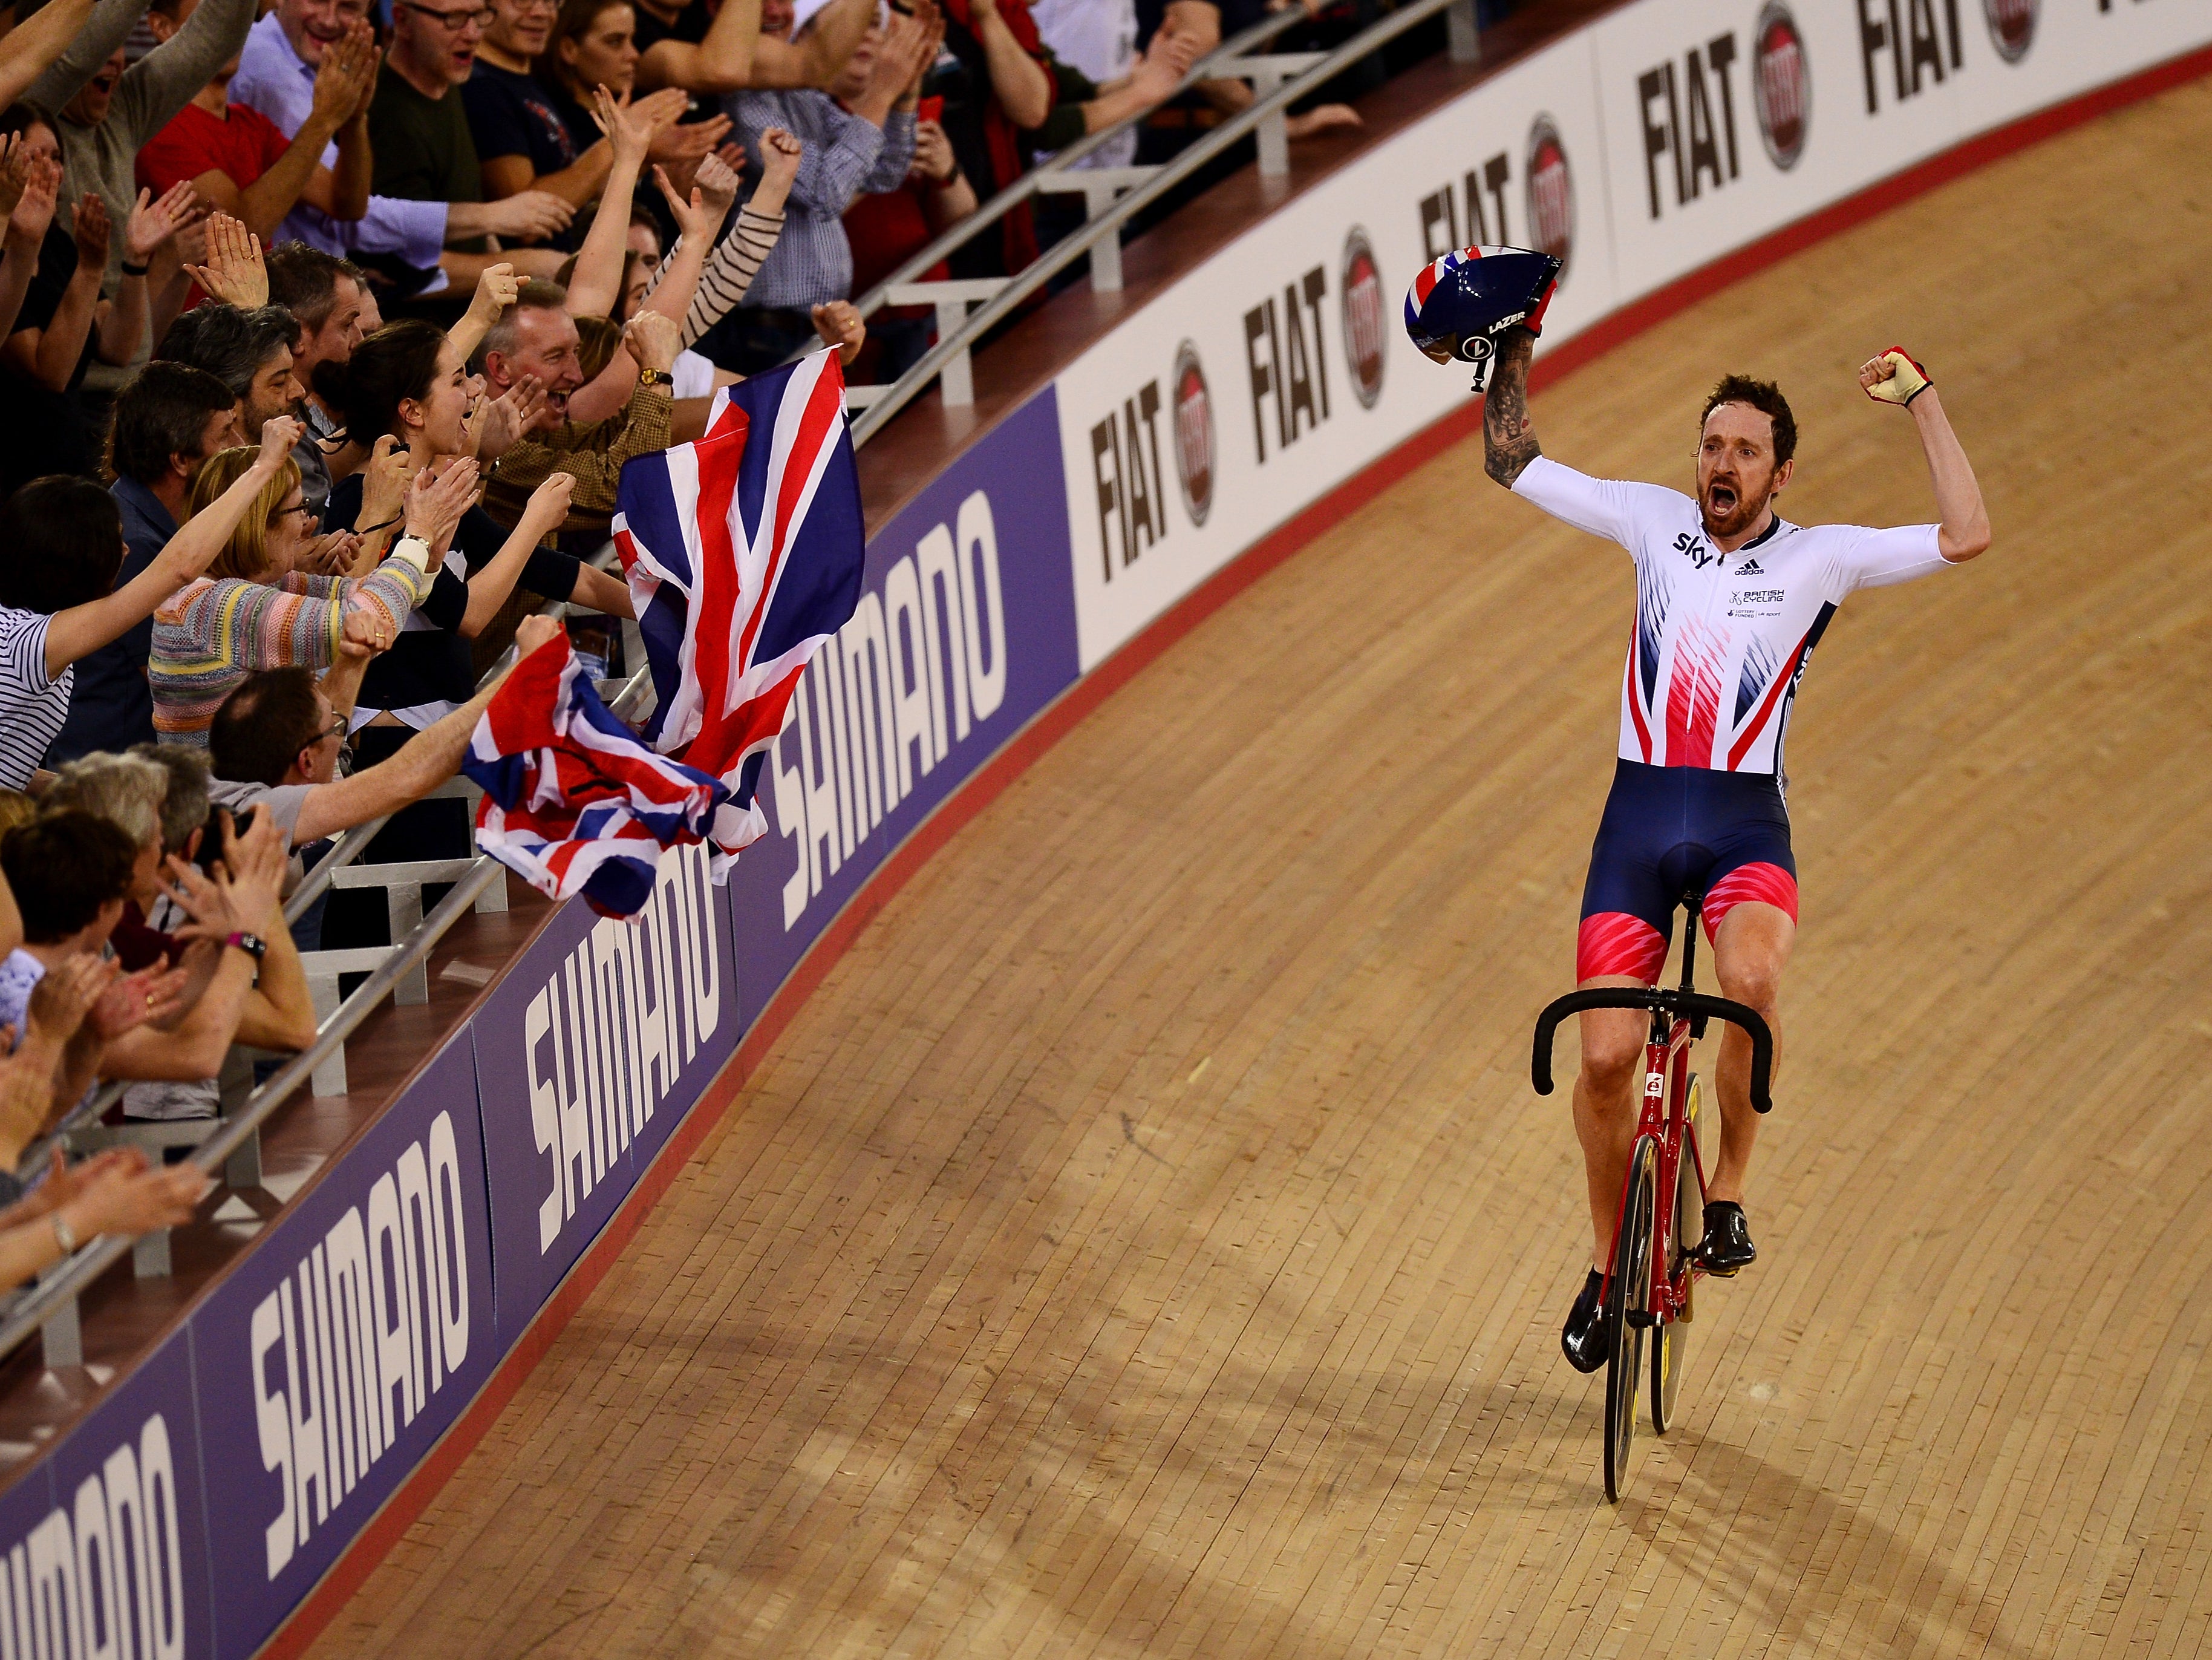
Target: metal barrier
(1112, 198)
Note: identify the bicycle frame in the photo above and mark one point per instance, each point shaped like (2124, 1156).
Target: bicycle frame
(1678, 1019)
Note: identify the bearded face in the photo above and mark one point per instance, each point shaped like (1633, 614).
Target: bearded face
(1737, 475)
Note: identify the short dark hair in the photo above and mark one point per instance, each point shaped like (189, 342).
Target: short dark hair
(63, 866)
(64, 537)
(230, 344)
(1764, 396)
(262, 727)
(536, 295)
(399, 361)
(163, 411)
(305, 280)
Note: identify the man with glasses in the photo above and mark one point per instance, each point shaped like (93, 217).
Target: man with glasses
(404, 243)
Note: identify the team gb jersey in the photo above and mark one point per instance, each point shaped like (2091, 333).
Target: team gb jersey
(1721, 640)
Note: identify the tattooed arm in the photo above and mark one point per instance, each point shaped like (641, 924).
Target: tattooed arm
(1508, 438)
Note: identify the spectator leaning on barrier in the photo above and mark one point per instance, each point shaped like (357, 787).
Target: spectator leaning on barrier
(235, 159)
(170, 417)
(160, 796)
(869, 148)
(275, 744)
(402, 243)
(276, 596)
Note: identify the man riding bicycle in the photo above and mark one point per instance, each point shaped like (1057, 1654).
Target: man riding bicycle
(1730, 600)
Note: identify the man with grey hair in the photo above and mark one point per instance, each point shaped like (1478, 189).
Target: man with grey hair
(249, 351)
(158, 796)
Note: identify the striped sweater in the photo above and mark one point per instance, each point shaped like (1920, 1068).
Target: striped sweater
(729, 272)
(216, 631)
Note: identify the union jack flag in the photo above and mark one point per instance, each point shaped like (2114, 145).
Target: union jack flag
(573, 801)
(743, 553)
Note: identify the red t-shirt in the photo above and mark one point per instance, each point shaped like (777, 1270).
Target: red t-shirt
(245, 144)
(887, 227)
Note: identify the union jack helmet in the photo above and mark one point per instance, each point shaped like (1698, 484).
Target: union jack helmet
(1460, 304)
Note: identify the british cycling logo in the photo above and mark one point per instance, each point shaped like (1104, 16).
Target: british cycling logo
(1193, 433)
(1781, 84)
(2012, 26)
(1693, 548)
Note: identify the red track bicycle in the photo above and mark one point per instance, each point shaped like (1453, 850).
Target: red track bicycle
(1649, 1283)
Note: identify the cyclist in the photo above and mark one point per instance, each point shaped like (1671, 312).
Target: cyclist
(1730, 600)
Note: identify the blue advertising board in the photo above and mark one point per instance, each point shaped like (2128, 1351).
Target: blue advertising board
(965, 630)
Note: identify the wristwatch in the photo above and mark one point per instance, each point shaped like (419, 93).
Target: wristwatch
(64, 1235)
(654, 378)
(252, 943)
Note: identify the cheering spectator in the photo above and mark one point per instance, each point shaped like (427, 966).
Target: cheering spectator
(58, 599)
(273, 599)
(63, 324)
(1098, 39)
(117, 1192)
(419, 127)
(249, 351)
(525, 140)
(169, 419)
(103, 113)
(741, 44)
(328, 297)
(159, 799)
(887, 227)
(870, 148)
(995, 85)
(236, 159)
(408, 381)
(401, 243)
(275, 743)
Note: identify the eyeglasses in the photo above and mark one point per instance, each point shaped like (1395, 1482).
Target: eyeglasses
(454, 20)
(338, 729)
(304, 509)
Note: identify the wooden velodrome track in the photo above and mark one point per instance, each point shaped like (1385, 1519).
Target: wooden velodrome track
(1147, 1241)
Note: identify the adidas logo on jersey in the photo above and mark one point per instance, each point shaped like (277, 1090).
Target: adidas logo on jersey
(1749, 567)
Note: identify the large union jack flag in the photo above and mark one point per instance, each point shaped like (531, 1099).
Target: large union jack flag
(743, 553)
(573, 801)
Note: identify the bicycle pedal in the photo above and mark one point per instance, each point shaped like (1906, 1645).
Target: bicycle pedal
(1643, 1318)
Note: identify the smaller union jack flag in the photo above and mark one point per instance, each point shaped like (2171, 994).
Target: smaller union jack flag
(574, 801)
(744, 553)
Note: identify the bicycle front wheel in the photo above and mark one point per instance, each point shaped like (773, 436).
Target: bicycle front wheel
(1670, 1343)
(1630, 1293)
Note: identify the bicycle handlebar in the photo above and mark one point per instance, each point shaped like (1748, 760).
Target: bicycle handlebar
(1694, 1005)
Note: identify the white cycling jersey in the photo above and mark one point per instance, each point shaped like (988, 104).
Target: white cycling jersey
(1721, 641)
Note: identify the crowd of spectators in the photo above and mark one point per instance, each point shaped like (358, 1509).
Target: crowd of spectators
(325, 334)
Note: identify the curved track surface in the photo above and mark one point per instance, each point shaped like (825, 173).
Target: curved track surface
(1147, 1241)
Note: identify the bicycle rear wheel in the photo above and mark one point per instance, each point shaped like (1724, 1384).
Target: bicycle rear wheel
(1670, 1344)
(1629, 1293)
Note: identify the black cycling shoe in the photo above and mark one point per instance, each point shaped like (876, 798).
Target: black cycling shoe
(1726, 1248)
(1584, 1339)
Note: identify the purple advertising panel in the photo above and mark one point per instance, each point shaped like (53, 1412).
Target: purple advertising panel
(965, 630)
(333, 1355)
(103, 1549)
(116, 1562)
(589, 1051)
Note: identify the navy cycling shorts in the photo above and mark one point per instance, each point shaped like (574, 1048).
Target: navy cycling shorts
(1669, 831)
